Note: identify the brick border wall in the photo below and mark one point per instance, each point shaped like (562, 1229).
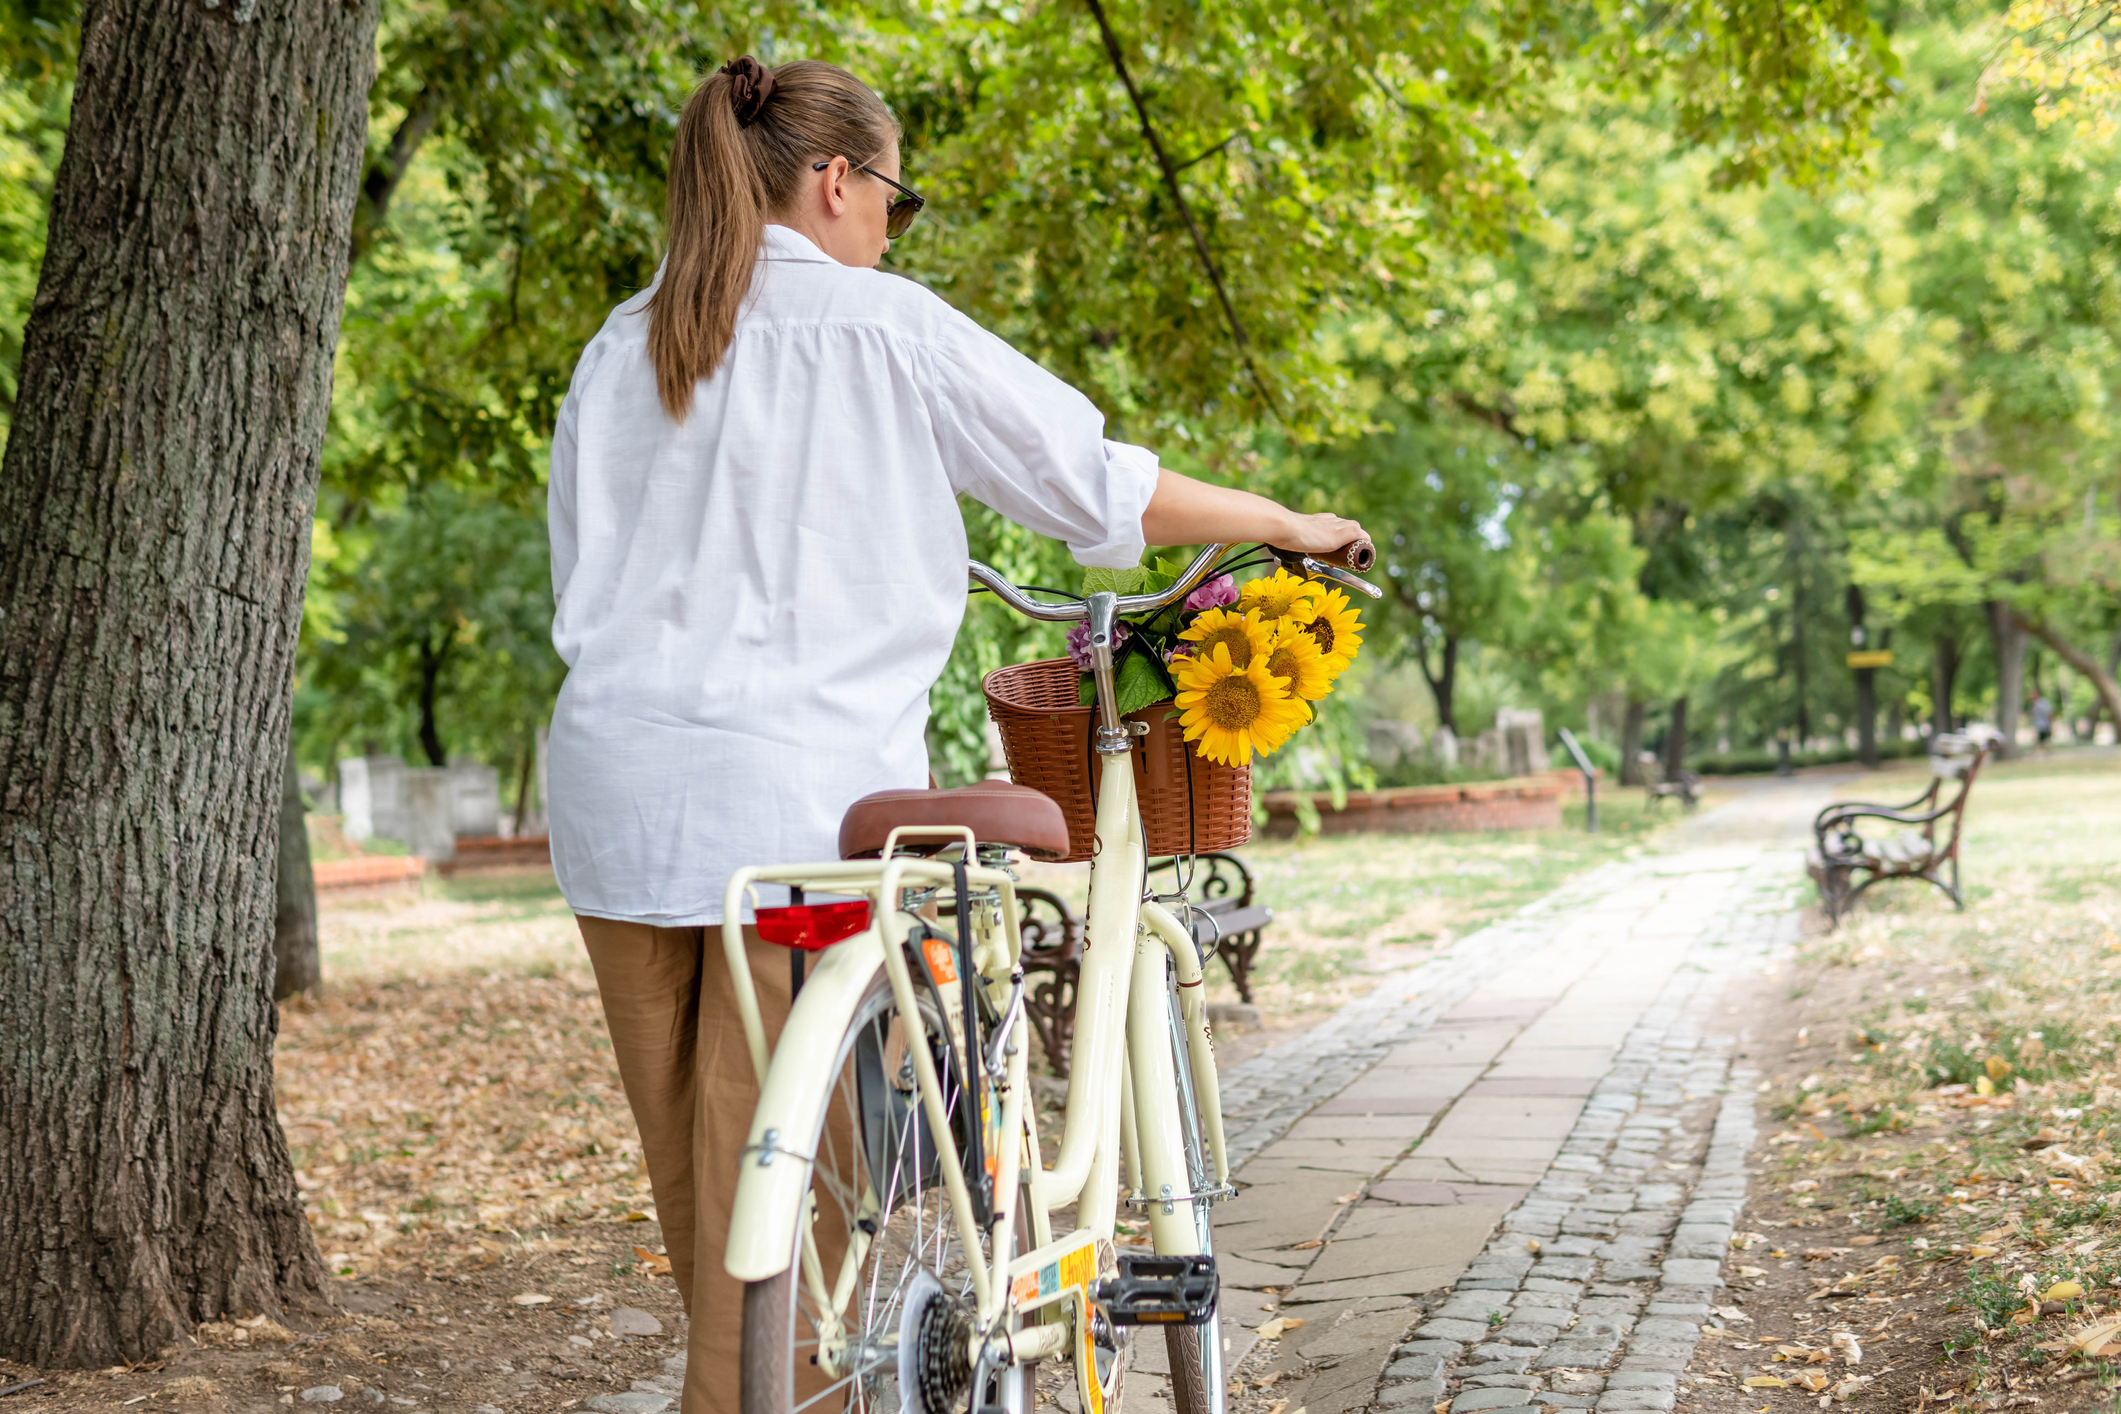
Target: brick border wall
(1526, 803)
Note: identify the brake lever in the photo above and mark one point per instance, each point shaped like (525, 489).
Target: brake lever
(1314, 570)
(1310, 567)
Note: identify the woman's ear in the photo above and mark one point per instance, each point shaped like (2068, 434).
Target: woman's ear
(833, 186)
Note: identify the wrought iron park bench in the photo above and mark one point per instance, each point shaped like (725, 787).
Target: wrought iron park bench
(1226, 922)
(1685, 787)
(1847, 857)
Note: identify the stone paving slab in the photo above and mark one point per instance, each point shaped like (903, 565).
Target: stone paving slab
(1483, 1144)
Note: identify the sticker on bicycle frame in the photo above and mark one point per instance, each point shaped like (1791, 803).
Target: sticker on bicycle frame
(941, 963)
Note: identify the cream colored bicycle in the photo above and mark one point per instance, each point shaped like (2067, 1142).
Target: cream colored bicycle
(896, 1216)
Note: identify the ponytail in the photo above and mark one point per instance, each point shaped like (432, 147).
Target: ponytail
(744, 144)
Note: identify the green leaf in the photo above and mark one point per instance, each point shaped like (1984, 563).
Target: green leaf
(1137, 684)
(1126, 581)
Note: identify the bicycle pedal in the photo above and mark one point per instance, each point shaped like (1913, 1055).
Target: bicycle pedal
(1157, 1290)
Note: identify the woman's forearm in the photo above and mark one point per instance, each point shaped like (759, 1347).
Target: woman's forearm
(1187, 512)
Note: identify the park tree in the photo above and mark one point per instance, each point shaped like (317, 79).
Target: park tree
(155, 501)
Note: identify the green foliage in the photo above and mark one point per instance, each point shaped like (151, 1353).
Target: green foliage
(32, 120)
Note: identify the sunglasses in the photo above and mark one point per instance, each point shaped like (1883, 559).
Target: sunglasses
(903, 208)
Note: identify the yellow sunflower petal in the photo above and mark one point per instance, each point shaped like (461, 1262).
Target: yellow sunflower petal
(1241, 632)
(1230, 712)
(1280, 595)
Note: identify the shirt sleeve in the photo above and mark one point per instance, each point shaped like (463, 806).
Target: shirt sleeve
(559, 498)
(1019, 440)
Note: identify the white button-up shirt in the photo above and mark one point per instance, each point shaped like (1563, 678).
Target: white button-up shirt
(753, 603)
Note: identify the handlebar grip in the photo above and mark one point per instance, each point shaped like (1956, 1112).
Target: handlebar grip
(1358, 555)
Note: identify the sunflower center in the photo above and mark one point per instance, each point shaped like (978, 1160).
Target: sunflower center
(1232, 704)
(1233, 637)
(1322, 631)
(1284, 664)
(1273, 605)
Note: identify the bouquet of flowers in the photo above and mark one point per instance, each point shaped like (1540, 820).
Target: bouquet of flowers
(1240, 663)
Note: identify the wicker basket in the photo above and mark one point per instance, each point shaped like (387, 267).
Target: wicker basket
(1188, 805)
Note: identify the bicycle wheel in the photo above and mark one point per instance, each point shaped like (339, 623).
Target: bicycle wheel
(1195, 1352)
(828, 1334)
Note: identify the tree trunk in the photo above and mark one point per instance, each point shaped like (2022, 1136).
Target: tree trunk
(2007, 641)
(1631, 743)
(1443, 684)
(1866, 686)
(294, 925)
(2102, 680)
(1675, 740)
(155, 507)
(1944, 673)
(431, 662)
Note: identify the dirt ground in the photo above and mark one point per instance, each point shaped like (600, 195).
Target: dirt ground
(1934, 1218)
(539, 1325)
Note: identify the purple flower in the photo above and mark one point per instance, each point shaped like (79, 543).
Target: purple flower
(1214, 594)
(1079, 643)
(1179, 650)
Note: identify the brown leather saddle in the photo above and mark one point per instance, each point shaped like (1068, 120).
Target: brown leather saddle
(996, 812)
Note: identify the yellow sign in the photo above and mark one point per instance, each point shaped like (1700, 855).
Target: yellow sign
(1871, 658)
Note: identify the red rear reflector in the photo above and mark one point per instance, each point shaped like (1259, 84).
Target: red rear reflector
(812, 926)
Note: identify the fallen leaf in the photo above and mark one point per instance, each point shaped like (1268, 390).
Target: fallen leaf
(1980, 1251)
(2097, 1334)
(1307, 1246)
(1851, 1349)
(1349, 1197)
(1778, 1252)
(2063, 1291)
(1997, 1067)
(529, 1298)
(1532, 1245)
(1867, 1240)
(1274, 1329)
(1851, 1385)
(1765, 1382)
(637, 1217)
(654, 1261)
(1813, 1381)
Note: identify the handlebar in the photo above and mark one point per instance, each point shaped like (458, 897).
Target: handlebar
(1358, 555)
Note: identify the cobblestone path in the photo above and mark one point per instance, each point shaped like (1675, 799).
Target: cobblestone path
(1507, 1178)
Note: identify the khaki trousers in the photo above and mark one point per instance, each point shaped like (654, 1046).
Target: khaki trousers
(670, 1005)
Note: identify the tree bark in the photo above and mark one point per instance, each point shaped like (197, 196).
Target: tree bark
(296, 967)
(1866, 686)
(431, 661)
(2102, 680)
(1675, 740)
(1443, 685)
(2007, 641)
(155, 507)
(1631, 743)
(1944, 673)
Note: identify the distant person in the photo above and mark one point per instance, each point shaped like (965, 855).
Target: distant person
(2043, 720)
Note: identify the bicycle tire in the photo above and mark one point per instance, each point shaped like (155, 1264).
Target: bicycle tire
(1194, 1353)
(916, 1231)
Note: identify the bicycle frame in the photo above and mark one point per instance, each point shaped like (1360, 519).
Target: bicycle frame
(1142, 1050)
(1124, 1062)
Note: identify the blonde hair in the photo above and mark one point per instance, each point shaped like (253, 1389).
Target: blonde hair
(726, 176)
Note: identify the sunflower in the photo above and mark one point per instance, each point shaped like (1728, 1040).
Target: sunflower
(1281, 596)
(1233, 712)
(1295, 658)
(1338, 631)
(1240, 631)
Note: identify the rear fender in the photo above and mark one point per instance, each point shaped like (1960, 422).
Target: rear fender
(774, 1180)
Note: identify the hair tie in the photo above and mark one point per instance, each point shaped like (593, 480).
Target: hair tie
(750, 85)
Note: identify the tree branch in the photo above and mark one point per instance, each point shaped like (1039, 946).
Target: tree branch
(1163, 161)
(2109, 691)
(381, 181)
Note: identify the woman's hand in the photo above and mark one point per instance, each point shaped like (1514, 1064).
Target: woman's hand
(1188, 512)
(1319, 534)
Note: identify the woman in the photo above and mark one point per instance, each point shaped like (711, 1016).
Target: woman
(759, 568)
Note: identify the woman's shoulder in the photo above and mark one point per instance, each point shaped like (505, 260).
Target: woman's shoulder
(894, 306)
